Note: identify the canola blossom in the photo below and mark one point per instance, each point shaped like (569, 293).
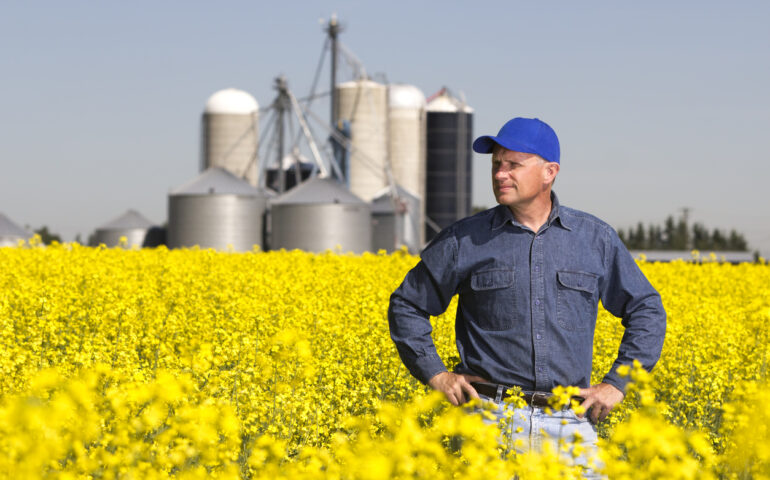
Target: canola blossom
(160, 363)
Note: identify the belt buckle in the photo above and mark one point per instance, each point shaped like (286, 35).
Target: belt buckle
(540, 399)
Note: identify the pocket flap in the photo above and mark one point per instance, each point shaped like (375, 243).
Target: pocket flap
(583, 281)
(492, 279)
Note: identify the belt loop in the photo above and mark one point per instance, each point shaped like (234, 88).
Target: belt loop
(499, 396)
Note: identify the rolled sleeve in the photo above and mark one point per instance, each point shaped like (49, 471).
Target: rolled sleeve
(427, 290)
(626, 293)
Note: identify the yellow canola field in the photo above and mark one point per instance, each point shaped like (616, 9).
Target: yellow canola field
(197, 364)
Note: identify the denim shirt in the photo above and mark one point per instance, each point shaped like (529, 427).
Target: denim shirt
(528, 300)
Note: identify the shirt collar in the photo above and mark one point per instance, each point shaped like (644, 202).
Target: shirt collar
(504, 215)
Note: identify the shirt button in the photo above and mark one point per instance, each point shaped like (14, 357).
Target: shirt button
(540, 369)
(539, 336)
(537, 268)
(537, 302)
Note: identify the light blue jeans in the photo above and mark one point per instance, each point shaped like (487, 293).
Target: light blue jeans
(531, 427)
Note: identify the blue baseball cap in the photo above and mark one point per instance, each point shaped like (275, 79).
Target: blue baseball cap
(528, 135)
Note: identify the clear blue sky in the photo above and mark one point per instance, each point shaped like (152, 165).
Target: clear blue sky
(659, 105)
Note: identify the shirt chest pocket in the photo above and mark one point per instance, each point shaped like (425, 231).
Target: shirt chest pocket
(492, 298)
(577, 303)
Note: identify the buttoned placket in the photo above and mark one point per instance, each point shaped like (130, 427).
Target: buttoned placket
(537, 309)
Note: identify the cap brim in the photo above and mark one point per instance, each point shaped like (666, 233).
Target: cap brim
(484, 144)
(487, 143)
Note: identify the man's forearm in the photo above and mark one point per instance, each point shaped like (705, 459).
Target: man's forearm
(642, 341)
(411, 330)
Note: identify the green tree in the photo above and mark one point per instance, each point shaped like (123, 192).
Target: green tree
(700, 237)
(736, 242)
(46, 236)
(718, 240)
(669, 232)
(678, 235)
(633, 239)
(680, 239)
(641, 240)
(656, 237)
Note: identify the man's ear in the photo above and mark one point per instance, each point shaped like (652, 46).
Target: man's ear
(551, 170)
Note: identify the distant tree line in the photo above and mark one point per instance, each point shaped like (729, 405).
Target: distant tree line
(677, 235)
(46, 236)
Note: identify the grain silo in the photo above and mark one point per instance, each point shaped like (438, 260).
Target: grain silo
(364, 103)
(230, 133)
(11, 233)
(448, 176)
(216, 210)
(396, 220)
(320, 214)
(406, 139)
(132, 225)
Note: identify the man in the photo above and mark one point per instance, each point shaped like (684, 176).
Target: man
(530, 274)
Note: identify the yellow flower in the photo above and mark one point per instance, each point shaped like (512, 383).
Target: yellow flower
(151, 363)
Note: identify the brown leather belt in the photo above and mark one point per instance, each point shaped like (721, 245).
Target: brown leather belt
(533, 399)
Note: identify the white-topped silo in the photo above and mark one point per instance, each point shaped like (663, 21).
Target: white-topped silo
(230, 133)
(364, 103)
(407, 124)
(319, 215)
(448, 178)
(396, 220)
(11, 233)
(216, 210)
(132, 225)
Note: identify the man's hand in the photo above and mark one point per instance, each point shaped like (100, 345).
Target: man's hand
(455, 386)
(601, 399)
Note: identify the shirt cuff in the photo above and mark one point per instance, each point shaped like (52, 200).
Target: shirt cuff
(427, 367)
(617, 381)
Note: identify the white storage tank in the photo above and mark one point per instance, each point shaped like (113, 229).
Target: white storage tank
(448, 164)
(132, 225)
(230, 133)
(319, 215)
(216, 210)
(406, 140)
(396, 220)
(11, 233)
(364, 103)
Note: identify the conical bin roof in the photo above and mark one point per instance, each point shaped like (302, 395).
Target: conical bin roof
(218, 181)
(382, 203)
(448, 104)
(10, 229)
(129, 220)
(318, 190)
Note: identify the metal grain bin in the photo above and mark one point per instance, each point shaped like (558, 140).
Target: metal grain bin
(318, 215)
(230, 133)
(396, 220)
(131, 225)
(449, 154)
(216, 210)
(11, 233)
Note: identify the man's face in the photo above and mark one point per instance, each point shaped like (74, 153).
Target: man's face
(517, 177)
